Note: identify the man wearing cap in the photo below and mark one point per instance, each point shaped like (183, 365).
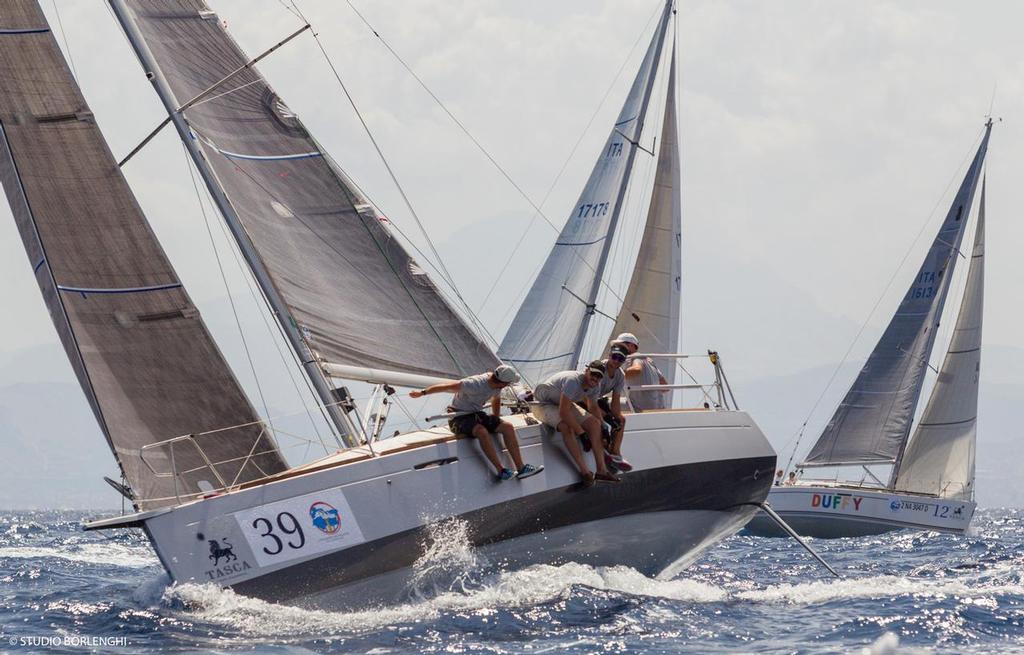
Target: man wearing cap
(470, 396)
(556, 407)
(642, 371)
(614, 383)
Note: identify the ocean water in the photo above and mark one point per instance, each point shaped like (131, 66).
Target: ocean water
(64, 590)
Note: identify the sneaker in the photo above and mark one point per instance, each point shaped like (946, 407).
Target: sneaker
(505, 474)
(610, 462)
(528, 470)
(621, 463)
(605, 476)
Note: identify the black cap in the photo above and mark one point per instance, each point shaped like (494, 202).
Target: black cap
(597, 366)
(619, 350)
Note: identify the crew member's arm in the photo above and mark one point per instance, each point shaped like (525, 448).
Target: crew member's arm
(567, 413)
(496, 404)
(450, 387)
(634, 369)
(594, 408)
(616, 407)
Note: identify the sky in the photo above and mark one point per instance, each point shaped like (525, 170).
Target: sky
(818, 141)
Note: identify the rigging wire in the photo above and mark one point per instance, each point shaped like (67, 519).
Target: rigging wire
(64, 36)
(502, 170)
(227, 290)
(828, 385)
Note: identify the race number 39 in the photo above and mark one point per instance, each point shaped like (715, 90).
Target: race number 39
(299, 527)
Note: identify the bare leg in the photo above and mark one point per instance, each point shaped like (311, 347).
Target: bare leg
(508, 435)
(487, 445)
(593, 428)
(572, 444)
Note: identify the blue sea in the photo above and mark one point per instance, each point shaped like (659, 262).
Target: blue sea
(64, 590)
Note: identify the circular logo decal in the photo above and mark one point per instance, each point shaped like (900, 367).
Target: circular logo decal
(325, 518)
(894, 505)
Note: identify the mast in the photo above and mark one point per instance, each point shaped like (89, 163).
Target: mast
(343, 424)
(595, 287)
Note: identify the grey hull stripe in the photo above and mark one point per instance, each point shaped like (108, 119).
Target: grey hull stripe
(723, 485)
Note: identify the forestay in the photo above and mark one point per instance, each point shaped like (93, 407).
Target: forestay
(143, 356)
(355, 293)
(872, 423)
(651, 306)
(547, 332)
(940, 456)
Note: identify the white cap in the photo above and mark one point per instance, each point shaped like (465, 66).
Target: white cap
(628, 337)
(506, 374)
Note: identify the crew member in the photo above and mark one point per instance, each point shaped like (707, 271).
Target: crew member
(614, 383)
(642, 371)
(470, 396)
(556, 407)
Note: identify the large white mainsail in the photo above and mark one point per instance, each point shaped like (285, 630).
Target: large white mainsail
(651, 306)
(872, 423)
(939, 459)
(547, 333)
(146, 362)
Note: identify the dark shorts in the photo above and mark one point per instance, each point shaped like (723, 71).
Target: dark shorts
(464, 424)
(606, 410)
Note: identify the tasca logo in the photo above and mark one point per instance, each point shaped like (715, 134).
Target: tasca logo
(837, 502)
(221, 549)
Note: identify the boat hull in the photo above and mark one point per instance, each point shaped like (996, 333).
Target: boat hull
(834, 511)
(363, 533)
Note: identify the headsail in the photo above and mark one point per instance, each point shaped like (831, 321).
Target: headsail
(547, 333)
(355, 293)
(651, 306)
(143, 356)
(872, 423)
(940, 456)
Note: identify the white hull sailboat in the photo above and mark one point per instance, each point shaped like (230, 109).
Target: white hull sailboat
(208, 483)
(931, 483)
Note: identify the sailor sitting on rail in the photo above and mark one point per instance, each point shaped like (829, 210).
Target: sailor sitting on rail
(614, 383)
(556, 407)
(642, 371)
(470, 396)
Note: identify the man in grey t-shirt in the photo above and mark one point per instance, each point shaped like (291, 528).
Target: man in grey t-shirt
(471, 394)
(556, 407)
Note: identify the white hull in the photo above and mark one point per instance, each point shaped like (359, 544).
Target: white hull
(833, 511)
(698, 476)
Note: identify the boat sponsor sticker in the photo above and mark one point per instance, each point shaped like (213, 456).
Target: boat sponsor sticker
(936, 510)
(837, 502)
(299, 527)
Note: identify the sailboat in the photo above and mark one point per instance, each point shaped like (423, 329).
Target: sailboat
(208, 483)
(931, 483)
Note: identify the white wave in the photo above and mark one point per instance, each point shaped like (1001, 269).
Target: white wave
(111, 554)
(883, 586)
(528, 587)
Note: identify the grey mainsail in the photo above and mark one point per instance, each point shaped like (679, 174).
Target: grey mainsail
(651, 306)
(872, 423)
(354, 292)
(546, 334)
(940, 456)
(142, 354)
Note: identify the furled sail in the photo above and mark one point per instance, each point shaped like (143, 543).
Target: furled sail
(872, 423)
(546, 335)
(355, 293)
(940, 456)
(142, 354)
(650, 308)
